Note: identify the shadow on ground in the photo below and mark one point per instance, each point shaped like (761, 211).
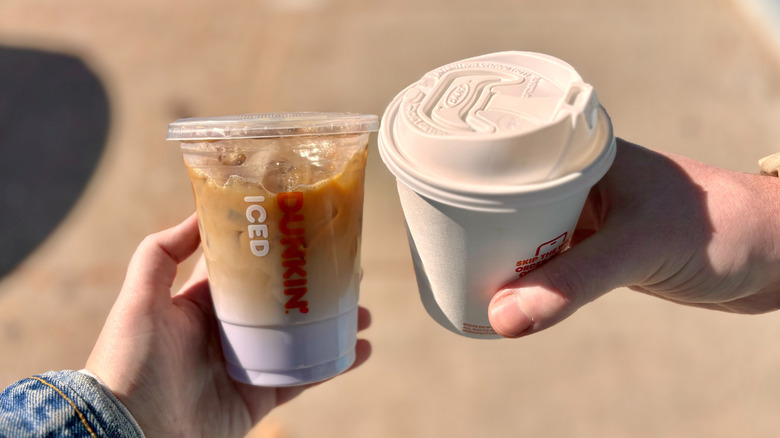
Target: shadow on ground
(54, 120)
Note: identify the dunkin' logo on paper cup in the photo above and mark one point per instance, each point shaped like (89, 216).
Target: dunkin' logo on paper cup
(544, 253)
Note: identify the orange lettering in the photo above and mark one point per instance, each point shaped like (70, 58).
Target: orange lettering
(294, 254)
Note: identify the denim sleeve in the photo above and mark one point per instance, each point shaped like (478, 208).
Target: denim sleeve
(64, 403)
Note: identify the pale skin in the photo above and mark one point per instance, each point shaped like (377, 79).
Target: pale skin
(664, 225)
(160, 354)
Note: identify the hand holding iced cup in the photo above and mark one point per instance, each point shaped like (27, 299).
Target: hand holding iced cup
(159, 350)
(279, 200)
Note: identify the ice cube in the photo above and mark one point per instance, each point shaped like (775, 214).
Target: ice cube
(232, 158)
(280, 176)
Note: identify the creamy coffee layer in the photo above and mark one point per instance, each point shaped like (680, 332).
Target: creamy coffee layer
(281, 225)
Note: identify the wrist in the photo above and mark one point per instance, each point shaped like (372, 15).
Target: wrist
(119, 405)
(770, 201)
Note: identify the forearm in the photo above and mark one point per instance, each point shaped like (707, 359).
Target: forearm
(743, 242)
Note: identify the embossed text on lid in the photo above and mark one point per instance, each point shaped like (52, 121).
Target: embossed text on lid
(479, 97)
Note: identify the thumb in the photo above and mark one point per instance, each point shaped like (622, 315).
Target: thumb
(555, 290)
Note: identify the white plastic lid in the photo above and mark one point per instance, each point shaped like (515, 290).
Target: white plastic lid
(497, 123)
(271, 125)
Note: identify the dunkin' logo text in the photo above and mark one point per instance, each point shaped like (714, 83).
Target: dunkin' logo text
(293, 254)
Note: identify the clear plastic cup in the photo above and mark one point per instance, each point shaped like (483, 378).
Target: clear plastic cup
(279, 199)
(494, 157)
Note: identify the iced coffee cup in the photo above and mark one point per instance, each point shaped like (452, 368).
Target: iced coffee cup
(494, 157)
(279, 199)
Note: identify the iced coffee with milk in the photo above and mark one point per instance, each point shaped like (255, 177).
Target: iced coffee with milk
(279, 199)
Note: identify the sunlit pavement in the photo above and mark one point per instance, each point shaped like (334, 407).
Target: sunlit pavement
(696, 78)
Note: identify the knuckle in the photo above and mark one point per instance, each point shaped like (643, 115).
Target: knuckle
(149, 242)
(154, 243)
(567, 281)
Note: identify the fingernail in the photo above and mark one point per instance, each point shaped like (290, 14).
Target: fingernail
(508, 318)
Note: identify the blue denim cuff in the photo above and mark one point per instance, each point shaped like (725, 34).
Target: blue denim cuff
(64, 403)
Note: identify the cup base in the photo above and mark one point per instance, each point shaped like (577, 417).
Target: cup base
(289, 355)
(296, 377)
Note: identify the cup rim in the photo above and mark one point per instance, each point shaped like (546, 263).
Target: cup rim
(268, 125)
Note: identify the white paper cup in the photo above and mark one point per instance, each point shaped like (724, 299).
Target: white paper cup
(494, 157)
(280, 200)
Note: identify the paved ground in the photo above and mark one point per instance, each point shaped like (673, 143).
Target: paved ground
(694, 77)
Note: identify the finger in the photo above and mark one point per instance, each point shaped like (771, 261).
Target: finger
(198, 275)
(153, 266)
(199, 294)
(593, 215)
(362, 353)
(555, 290)
(364, 318)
